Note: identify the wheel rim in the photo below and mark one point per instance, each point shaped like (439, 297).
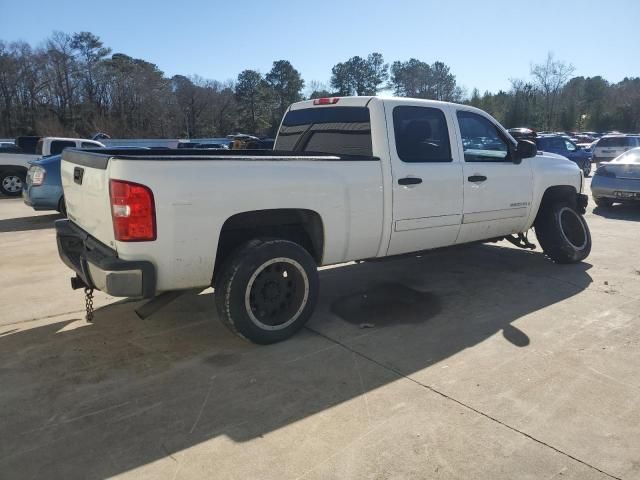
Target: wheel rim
(572, 228)
(12, 183)
(277, 293)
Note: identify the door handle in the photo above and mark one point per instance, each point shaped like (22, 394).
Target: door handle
(409, 181)
(476, 178)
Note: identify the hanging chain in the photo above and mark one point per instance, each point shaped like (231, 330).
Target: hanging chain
(88, 303)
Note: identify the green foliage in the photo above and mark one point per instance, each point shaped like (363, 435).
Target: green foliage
(417, 79)
(360, 76)
(73, 86)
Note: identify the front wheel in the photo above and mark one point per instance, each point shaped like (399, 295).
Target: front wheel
(11, 183)
(267, 290)
(563, 233)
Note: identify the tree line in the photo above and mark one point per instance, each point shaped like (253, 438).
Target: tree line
(72, 85)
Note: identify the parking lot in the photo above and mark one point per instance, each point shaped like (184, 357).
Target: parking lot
(483, 361)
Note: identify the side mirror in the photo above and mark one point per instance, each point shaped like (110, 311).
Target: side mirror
(525, 149)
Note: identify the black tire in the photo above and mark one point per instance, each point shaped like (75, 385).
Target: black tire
(11, 182)
(586, 169)
(603, 202)
(267, 290)
(563, 233)
(62, 206)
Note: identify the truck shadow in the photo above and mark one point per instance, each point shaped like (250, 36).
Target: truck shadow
(620, 212)
(97, 400)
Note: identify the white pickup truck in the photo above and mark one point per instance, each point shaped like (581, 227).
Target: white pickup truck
(14, 164)
(350, 178)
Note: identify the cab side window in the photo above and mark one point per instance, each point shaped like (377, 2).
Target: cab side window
(481, 139)
(421, 134)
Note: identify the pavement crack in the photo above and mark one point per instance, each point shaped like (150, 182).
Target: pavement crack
(462, 404)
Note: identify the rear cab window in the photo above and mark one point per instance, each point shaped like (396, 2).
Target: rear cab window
(328, 130)
(421, 134)
(58, 145)
(613, 142)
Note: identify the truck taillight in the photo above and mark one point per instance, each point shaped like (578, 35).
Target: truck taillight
(326, 101)
(133, 211)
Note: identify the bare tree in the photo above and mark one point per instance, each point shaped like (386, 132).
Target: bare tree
(549, 77)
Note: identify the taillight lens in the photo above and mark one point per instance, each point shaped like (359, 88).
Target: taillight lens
(326, 101)
(37, 175)
(133, 211)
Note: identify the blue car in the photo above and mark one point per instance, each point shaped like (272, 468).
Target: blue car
(565, 147)
(43, 188)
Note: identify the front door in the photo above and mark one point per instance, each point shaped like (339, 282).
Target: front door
(426, 175)
(497, 191)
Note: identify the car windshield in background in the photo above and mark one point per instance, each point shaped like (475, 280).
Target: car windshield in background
(632, 156)
(333, 130)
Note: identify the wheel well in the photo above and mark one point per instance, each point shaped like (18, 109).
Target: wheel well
(557, 193)
(13, 169)
(301, 226)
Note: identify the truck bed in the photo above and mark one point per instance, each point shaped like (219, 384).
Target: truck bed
(197, 191)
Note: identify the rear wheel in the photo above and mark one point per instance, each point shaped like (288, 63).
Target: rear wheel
(586, 169)
(563, 233)
(267, 290)
(603, 202)
(11, 183)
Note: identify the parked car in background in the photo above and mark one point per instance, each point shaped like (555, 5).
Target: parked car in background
(211, 146)
(618, 180)
(612, 146)
(522, 133)
(14, 165)
(563, 146)
(43, 187)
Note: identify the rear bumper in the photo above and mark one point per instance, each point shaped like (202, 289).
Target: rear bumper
(42, 197)
(98, 266)
(614, 188)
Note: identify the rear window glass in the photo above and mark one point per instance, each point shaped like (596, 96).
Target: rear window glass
(632, 156)
(421, 134)
(615, 142)
(89, 145)
(332, 130)
(58, 145)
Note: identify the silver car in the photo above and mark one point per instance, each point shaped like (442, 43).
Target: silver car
(618, 180)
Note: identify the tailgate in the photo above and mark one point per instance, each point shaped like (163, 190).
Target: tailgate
(85, 182)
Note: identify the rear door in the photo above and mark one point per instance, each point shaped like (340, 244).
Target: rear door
(497, 192)
(426, 176)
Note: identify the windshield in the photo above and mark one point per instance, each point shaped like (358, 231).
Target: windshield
(632, 156)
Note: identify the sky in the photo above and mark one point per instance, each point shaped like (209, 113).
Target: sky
(484, 42)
